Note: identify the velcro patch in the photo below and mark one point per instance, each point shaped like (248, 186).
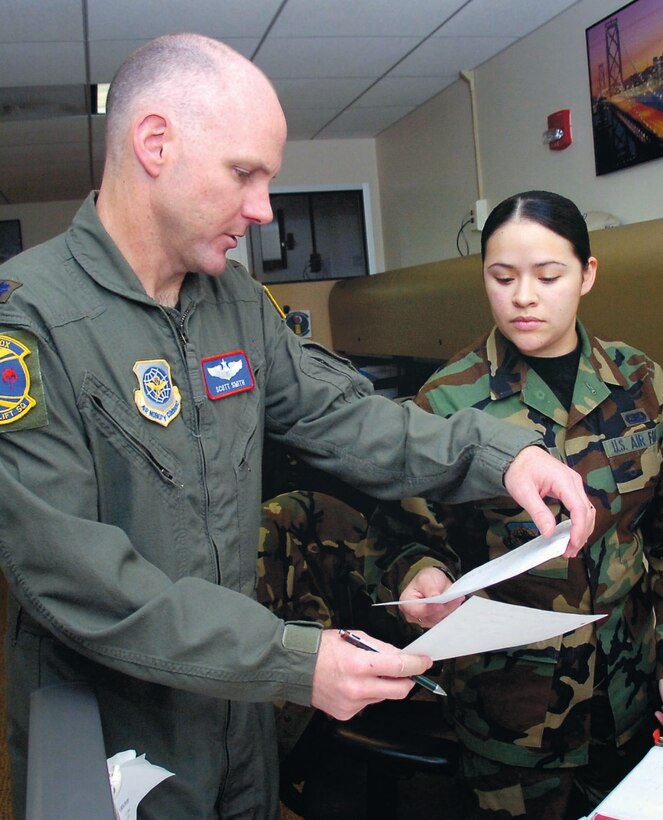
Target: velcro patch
(630, 443)
(227, 374)
(22, 404)
(7, 287)
(632, 417)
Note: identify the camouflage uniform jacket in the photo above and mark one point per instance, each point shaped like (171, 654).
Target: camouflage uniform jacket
(529, 706)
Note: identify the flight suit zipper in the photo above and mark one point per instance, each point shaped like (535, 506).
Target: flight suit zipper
(180, 325)
(162, 471)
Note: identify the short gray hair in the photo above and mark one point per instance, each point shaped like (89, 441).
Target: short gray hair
(168, 67)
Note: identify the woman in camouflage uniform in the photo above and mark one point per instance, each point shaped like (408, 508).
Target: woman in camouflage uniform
(536, 722)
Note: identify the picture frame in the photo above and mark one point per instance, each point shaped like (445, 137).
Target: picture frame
(625, 63)
(11, 242)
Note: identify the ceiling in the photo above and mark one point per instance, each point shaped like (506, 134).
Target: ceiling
(342, 68)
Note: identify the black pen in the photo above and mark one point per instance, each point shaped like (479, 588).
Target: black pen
(422, 680)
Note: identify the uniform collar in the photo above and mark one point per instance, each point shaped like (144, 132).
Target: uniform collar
(94, 249)
(510, 375)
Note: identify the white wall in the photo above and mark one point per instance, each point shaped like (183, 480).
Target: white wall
(40, 220)
(516, 91)
(427, 179)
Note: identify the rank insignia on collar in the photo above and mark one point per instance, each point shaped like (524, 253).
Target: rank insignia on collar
(15, 398)
(7, 287)
(226, 374)
(157, 398)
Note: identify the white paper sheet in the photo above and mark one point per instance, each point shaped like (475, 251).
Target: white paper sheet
(530, 555)
(480, 625)
(131, 779)
(638, 796)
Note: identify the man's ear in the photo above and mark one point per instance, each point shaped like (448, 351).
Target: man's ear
(149, 141)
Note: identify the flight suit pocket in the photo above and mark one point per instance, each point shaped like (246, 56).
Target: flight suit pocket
(110, 416)
(141, 484)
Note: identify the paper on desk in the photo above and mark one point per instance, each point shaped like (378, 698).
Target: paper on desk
(131, 779)
(481, 625)
(530, 555)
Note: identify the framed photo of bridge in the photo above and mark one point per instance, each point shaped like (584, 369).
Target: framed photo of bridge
(625, 60)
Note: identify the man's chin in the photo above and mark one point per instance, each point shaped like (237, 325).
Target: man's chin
(216, 268)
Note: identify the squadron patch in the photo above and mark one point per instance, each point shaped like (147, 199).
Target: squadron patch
(157, 398)
(227, 374)
(20, 386)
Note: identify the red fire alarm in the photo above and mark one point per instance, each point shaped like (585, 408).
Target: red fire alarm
(558, 135)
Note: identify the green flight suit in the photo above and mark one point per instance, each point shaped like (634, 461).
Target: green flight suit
(131, 438)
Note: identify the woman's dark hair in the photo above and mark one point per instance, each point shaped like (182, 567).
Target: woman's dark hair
(551, 210)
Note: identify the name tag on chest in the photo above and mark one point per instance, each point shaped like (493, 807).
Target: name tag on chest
(630, 443)
(227, 374)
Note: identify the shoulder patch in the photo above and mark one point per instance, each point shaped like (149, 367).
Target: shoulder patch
(22, 404)
(7, 287)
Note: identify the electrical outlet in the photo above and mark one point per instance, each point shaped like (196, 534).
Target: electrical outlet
(479, 214)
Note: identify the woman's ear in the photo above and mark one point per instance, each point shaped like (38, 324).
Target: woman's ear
(588, 276)
(149, 139)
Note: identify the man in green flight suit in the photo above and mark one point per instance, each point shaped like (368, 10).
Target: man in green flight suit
(148, 369)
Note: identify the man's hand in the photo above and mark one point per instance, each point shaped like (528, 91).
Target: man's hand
(426, 583)
(535, 474)
(659, 713)
(347, 679)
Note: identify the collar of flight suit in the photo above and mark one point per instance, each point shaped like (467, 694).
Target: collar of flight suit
(96, 252)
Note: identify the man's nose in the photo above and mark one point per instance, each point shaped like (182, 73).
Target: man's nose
(258, 207)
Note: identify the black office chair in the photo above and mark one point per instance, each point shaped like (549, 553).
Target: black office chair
(355, 769)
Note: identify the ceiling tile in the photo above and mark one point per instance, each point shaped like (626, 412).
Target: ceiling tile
(24, 64)
(494, 18)
(349, 18)
(145, 19)
(15, 156)
(304, 123)
(331, 56)
(25, 21)
(404, 91)
(443, 56)
(43, 132)
(327, 93)
(364, 122)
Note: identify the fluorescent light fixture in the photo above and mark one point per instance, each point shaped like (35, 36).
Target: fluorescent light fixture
(100, 93)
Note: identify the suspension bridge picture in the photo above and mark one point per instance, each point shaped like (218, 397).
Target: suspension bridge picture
(625, 59)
